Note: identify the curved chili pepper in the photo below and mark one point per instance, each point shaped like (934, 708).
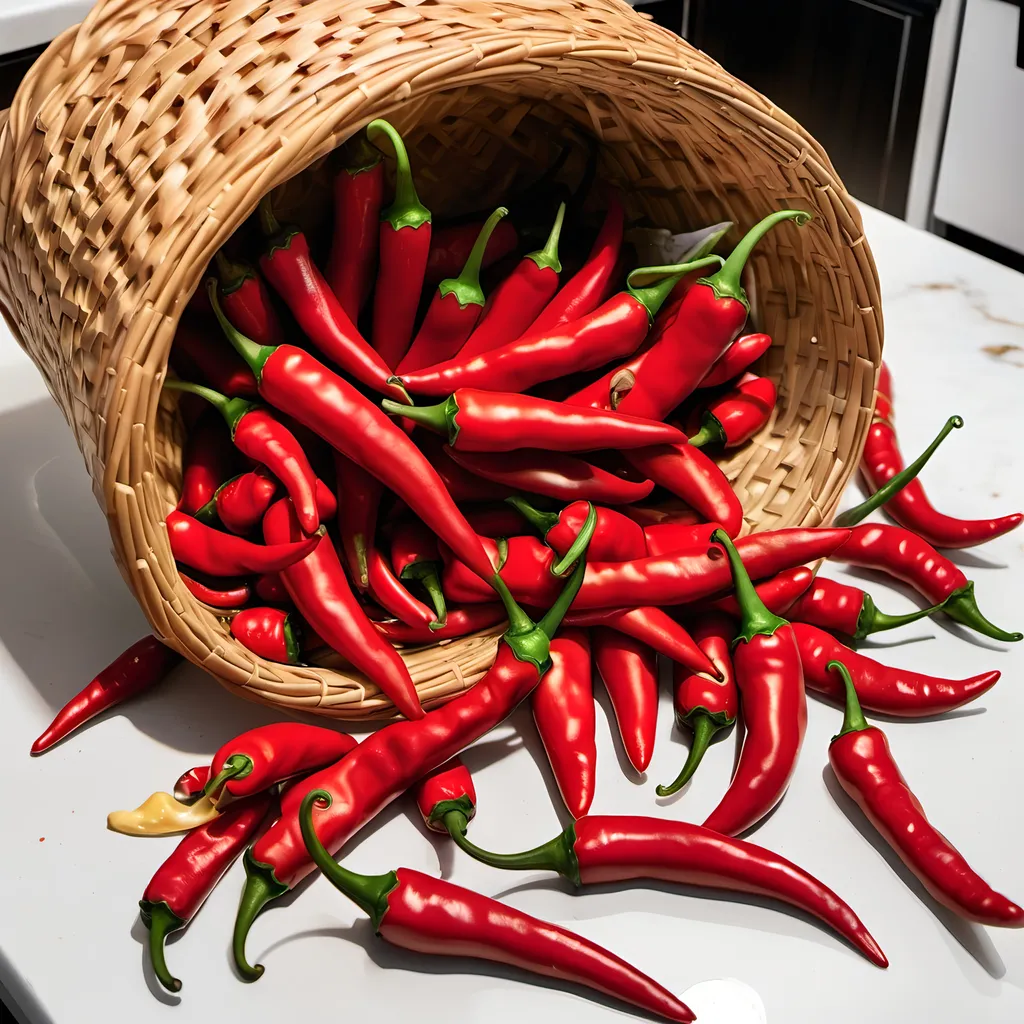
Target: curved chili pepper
(778, 593)
(195, 354)
(429, 915)
(191, 784)
(766, 659)
(206, 463)
(629, 670)
(743, 352)
(846, 609)
(386, 589)
(520, 298)
(906, 557)
(222, 554)
(247, 303)
(269, 754)
(301, 386)
(460, 483)
(270, 587)
(321, 592)
(492, 421)
(447, 788)
(590, 285)
(672, 511)
(457, 305)
(183, 882)
(863, 763)
(563, 711)
(690, 474)
(389, 761)
(240, 503)
(415, 556)
(615, 328)
(358, 189)
(404, 239)
(603, 848)
(499, 521)
(357, 516)
(460, 622)
(705, 705)
(450, 246)
(739, 414)
(235, 597)
(553, 474)
(617, 538)
(256, 433)
(269, 633)
(138, 669)
(889, 691)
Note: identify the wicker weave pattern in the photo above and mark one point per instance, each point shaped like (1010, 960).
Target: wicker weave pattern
(144, 137)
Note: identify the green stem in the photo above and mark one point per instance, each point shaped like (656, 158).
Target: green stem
(269, 224)
(547, 258)
(261, 886)
(432, 585)
(406, 211)
(579, 545)
(255, 355)
(519, 623)
(553, 618)
(873, 620)
(358, 155)
(439, 418)
(466, 287)
(653, 296)
(962, 606)
(542, 522)
(232, 409)
(161, 921)
(556, 855)
(237, 766)
(726, 283)
(896, 483)
(231, 275)
(710, 432)
(853, 717)
(704, 729)
(291, 643)
(756, 619)
(369, 892)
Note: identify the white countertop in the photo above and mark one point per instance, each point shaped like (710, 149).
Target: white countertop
(70, 939)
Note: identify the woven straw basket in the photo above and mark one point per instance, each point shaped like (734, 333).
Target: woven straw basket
(143, 138)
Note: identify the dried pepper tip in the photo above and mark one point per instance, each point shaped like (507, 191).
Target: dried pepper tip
(853, 718)
(260, 888)
(896, 483)
(466, 287)
(542, 522)
(237, 766)
(726, 283)
(653, 296)
(547, 257)
(369, 892)
(756, 619)
(161, 921)
(962, 607)
(255, 355)
(232, 409)
(406, 211)
(873, 620)
(231, 274)
(704, 727)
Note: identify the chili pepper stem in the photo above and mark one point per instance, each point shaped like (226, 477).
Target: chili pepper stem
(255, 355)
(466, 287)
(757, 620)
(873, 620)
(710, 432)
(542, 522)
(853, 717)
(161, 921)
(547, 258)
(232, 409)
(432, 585)
(359, 155)
(704, 728)
(261, 886)
(439, 418)
(232, 275)
(653, 296)
(406, 211)
(269, 224)
(895, 484)
(237, 766)
(368, 892)
(962, 607)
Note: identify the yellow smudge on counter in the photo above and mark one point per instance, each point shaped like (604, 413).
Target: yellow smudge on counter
(162, 815)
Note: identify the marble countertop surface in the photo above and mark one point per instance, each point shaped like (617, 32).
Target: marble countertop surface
(71, 944)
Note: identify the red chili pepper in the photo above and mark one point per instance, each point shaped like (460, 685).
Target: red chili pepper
(183, 882)
(269, 754)
(222, 554)
(672, 511)
(705, 705)
(429, 915)
(195, 354)
(906, 557)
(689, 474)
(301, 386)
(450, 246)
(766, 659)
(743, 352)
(778, 593)
(138, 669)
(460, 622)
(738, 415)
(454, 310)
(357, 516)
(499, 520)
(270, 587)
(386, 589)
(864, 765)
(553, 474)
(404, 248)
(563, 710)
(269, 633)
(321, 592)
(889, 691)
(415, 556)
(460, 483)
(602, 848)
(614, 329)
(206, 463)
(520, 298)
(629, 670)
(289, 267)
(447, 788)
(389, 761)
(617, 538)
(240, 503)
(247, 303)
(493, 421)
(358, 197)
(589, 287)
(237, 596)
(846, 609)
(256, 433)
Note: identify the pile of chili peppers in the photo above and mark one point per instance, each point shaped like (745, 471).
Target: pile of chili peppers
(444, 430)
